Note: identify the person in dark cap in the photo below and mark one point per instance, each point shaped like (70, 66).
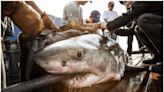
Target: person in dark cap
(129, 31)
(94, 17)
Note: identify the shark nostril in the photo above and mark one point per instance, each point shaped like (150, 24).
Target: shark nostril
(79, 54)
(63, 63)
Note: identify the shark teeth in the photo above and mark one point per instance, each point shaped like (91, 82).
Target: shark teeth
(77, 79)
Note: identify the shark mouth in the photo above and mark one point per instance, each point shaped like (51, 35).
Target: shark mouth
(89, 79)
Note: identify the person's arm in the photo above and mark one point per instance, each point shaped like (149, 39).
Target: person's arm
(125, 32)
(82, 28)
(88, 24)
(138, 8)
(34, 6)
(48, 22)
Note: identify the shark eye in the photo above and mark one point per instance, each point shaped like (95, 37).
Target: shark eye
(80, 53)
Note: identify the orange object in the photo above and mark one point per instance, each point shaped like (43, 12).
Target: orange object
(28, 20)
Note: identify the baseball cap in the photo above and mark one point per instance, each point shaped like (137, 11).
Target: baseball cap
(96, 15)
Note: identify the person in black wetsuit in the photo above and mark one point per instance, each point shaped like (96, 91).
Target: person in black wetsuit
(149, 15)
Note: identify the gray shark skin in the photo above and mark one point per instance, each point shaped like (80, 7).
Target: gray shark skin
(97, 60)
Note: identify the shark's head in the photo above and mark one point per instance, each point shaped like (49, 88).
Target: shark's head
(84, 55)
